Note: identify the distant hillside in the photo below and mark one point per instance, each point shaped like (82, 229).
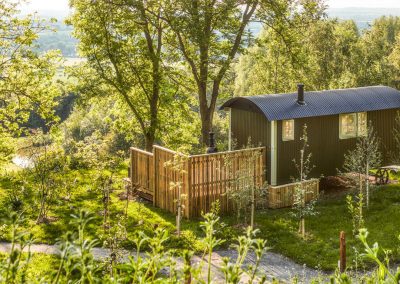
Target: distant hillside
(362, 16)
(63, 40)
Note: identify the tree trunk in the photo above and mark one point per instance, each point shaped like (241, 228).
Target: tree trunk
(302, 227)
(42, 214)
(207, 108)
(206, 127)
(149, 142)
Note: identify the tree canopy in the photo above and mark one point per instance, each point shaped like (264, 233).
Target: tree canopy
(328, 54)
(26, 82)
(123, 42)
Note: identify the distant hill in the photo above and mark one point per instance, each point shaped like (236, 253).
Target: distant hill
(63, 40)
(362, 16)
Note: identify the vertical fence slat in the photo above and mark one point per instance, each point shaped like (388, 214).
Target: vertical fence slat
(206, 179)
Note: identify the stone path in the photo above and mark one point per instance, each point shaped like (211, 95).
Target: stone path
(273, 265)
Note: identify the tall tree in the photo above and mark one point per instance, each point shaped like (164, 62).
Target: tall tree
(123, 42)
(209, 34)
(26, 80)
(375, 46)
(318, 54)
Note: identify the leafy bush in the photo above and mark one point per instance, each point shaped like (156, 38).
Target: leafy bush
(77, 264)
(91, 133)
(6, 149)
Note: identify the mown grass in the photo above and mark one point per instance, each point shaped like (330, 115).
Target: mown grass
(320, 248)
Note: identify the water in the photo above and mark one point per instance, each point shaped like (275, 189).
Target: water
(22, 162)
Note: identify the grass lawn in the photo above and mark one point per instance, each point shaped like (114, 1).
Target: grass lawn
(40, 266)
(320, 249)
(141, 216)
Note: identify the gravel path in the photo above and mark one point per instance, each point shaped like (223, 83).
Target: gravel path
(273, 265)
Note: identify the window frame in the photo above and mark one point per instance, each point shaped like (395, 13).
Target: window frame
(284, 137)
(360, 129)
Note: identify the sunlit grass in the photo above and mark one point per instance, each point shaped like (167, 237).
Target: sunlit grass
(320, 248)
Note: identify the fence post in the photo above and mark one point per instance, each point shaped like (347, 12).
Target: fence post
(155, 175)
(130, 169)
(188, 182)
(342, 261)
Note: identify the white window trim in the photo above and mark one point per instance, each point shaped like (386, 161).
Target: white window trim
(357, 126)
(284, 138)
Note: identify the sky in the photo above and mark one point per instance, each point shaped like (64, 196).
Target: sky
(364, 3)
(62, 5)
(50, 5)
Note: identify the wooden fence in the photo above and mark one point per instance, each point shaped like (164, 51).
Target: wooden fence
(283, 195)
(142, 171)
(204, 179)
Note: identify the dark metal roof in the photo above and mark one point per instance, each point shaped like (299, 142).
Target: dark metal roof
(319, 103)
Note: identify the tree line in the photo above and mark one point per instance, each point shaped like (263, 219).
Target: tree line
(327, 54)
(161, 68)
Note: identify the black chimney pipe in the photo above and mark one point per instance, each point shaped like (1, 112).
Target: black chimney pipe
(300, 94)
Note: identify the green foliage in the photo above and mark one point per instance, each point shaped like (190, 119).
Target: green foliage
(7, 149)
(395, 154)
(234, 271)
(129, 63)
(48, 167)
(355, 209)
(96, 131)
(13, 269)
(178, 167)
(27, 77)
(302, 208)
(364, 157)
(323, 54)
(77, 264)
(383, 273)
(244, 188)
(210, 34)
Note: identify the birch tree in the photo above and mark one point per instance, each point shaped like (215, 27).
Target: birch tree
(177, 165)
(302, 208)
(364, 157)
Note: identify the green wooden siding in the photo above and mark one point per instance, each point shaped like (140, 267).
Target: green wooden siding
(323, 136)
(247, 124)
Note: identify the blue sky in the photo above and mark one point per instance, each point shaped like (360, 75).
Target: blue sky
(62, 5)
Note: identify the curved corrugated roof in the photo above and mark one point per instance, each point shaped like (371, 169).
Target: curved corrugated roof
(319, 103)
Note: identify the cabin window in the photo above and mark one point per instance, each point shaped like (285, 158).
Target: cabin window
(288, 130)
(352, 125)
